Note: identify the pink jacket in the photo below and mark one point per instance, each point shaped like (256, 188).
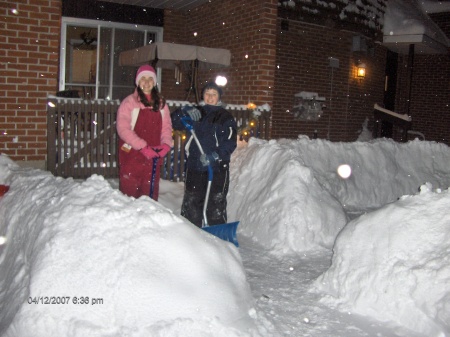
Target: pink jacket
(123, 125)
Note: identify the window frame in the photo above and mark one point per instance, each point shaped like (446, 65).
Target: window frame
(88, 23)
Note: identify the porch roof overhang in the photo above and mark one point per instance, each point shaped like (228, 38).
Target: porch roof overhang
(423, 44)
(406, 23)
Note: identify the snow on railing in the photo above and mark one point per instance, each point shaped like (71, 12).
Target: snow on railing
(390, 124)
(392, 113)
(241, 107)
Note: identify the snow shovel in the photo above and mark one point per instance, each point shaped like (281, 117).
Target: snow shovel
(225, 231)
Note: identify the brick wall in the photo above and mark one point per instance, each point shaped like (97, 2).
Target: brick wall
(175, 31)
(248, 30)
(430, 97)
(302, 64)
(29, 36)
(270, 65)
(430, 89)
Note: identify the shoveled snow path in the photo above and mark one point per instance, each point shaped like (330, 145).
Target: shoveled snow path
(280, 288)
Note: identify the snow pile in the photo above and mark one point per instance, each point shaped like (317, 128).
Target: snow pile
(279, 202)
(365, 134)
(290, 198)
(382, 170)
(401, 275)
(150, 273)
(117, 266)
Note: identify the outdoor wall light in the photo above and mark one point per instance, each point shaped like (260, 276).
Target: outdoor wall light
(361, 71)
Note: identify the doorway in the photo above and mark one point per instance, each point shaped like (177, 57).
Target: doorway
(390, 89)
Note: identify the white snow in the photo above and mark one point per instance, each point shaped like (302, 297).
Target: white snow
(319, 255)
(402, 274)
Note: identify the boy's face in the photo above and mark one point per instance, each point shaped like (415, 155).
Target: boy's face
(211, 97)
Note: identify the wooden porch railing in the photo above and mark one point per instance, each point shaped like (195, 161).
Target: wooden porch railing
(390, 124)
(82, 137)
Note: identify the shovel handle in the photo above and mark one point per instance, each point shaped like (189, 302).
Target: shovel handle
(152, 182)
(186, 122)
(189, 126)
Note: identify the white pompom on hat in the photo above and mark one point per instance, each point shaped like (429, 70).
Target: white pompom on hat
(146, 70)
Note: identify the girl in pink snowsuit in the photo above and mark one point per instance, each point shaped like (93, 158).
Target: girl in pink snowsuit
(145, 135)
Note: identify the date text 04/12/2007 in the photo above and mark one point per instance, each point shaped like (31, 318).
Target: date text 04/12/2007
(65, 300)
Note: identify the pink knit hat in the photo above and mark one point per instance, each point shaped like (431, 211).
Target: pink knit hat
(145, 70)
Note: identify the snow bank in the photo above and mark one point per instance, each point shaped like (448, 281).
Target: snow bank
(278, 200)
(119, 266)
(402, 275)
(290, 198)
(382, 170)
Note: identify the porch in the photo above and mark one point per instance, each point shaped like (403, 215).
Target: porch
(82, 137)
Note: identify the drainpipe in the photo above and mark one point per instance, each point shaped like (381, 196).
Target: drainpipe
(410, 75)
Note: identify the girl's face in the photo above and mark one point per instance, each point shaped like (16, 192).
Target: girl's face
(211, 97)
(146, 84)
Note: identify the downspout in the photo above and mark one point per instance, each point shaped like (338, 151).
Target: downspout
(410, 76)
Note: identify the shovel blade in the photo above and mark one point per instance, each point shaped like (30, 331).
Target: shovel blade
(225, 232)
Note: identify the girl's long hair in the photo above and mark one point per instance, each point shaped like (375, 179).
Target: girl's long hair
(157, 101)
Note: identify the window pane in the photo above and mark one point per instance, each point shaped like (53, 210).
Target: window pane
(87, 41)
(104, 66)
(81, 55)
(124, 76)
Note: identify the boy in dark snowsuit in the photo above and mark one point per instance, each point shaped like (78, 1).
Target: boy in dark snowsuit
(216, 130)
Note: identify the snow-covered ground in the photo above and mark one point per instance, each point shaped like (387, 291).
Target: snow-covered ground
(320, 255)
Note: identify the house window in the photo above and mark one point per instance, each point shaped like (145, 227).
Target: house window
(90, 49)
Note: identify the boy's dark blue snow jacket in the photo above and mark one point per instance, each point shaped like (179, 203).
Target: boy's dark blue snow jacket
(216, 131)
